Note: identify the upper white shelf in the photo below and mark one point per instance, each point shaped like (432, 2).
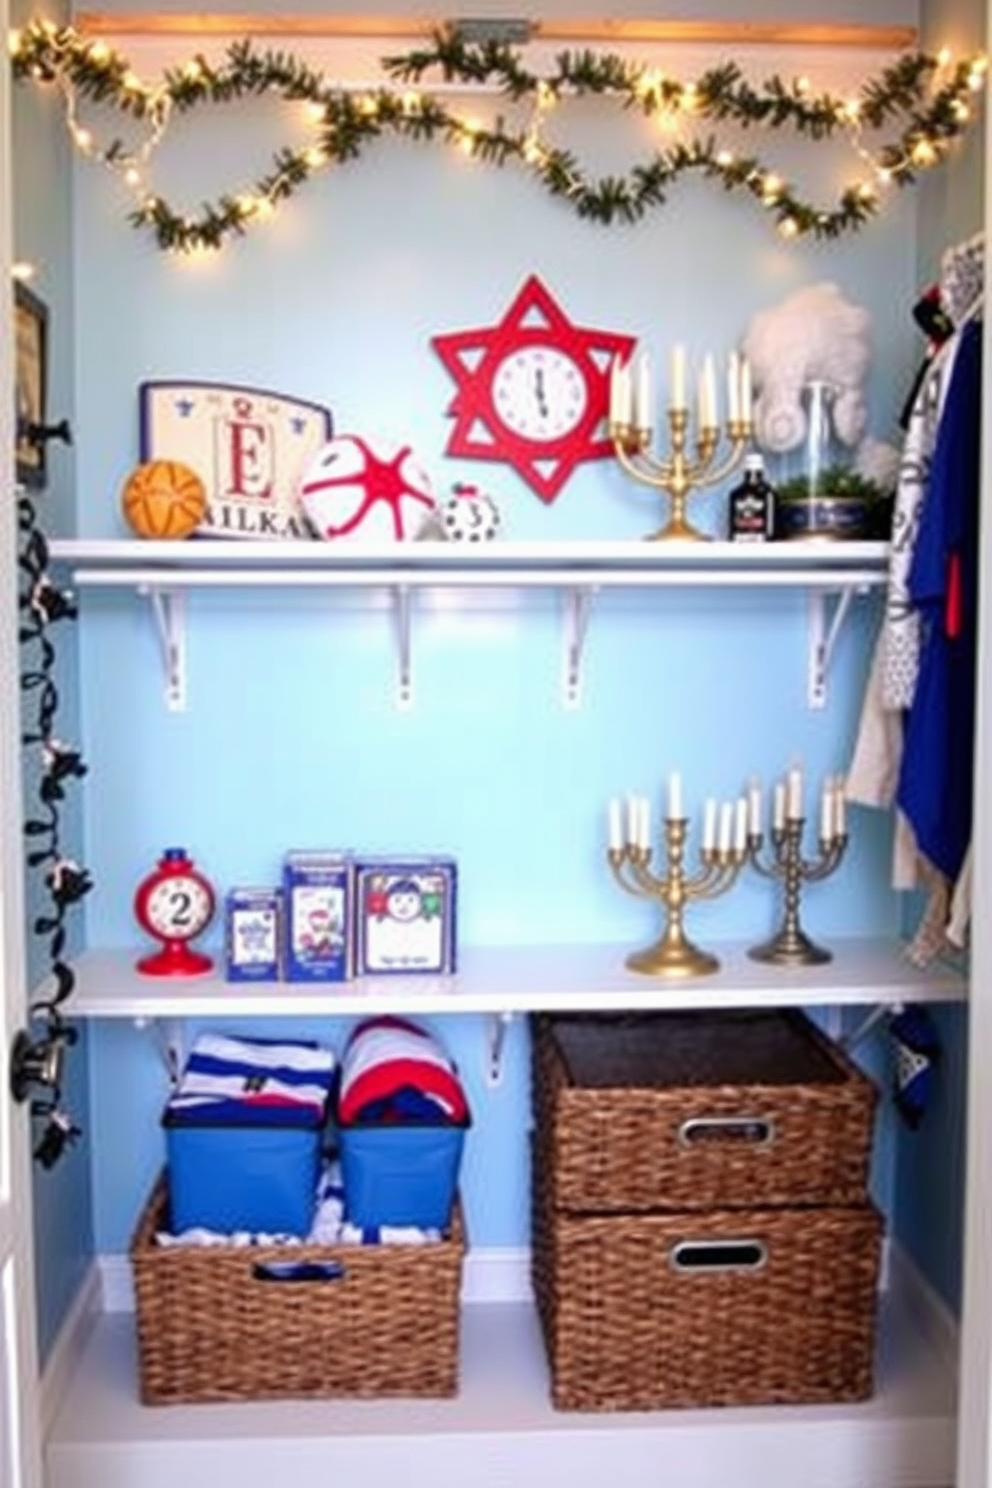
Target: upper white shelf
(520, 979)
(213, 562)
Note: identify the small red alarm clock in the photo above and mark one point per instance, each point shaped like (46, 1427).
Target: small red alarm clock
(174, 903)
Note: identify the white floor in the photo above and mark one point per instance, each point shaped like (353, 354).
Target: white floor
(501, 1432)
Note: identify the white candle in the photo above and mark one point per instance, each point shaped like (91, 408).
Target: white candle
(726, 822)
(745, 390)
(674, 796)
(678, 376)
(754, 808)
(827, 811)
(632, 821)
(616, 830)
(734, 388)
(642, 394)
(644, 834)
(740, 824)
(709, 826)
(794, 794)
(840, 807)
(778, 807)
(707, 395)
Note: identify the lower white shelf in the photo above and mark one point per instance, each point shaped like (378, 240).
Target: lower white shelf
(501, 1429)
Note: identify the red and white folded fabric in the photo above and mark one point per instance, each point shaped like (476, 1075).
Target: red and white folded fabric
(393, 1070)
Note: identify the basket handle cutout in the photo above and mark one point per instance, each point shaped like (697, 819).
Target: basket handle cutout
(718, 1255)
(749, 1131)
(295, 1271)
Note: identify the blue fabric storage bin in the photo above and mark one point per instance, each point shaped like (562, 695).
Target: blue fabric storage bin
(244, 1135)
(260, 1179)
(400, 1175)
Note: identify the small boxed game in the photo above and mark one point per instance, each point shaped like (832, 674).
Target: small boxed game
(254, 935)
(405, 912)
(318, 890)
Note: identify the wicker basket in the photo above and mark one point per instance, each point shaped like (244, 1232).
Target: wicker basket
(674, 1111)
(732, 1307)
(210, 1329)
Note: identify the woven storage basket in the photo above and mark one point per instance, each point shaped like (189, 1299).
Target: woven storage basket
(674, 1111)
(732, 1307)
(210, 1329)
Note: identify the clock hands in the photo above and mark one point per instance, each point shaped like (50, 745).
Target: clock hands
(542, 406)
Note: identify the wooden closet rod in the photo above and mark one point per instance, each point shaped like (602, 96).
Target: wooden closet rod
(727, 33)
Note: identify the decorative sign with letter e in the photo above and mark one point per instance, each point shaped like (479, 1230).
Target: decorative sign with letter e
(248, 446)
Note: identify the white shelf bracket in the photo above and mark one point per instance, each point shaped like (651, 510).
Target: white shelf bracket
(822, 637)
(167, 1034)
(404, 668)
(169, 610)
(578, 603)
(496, 1026)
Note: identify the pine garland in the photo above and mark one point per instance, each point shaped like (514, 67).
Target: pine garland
(914, 92)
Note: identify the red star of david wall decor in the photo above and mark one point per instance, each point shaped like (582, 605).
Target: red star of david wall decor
(533, 390)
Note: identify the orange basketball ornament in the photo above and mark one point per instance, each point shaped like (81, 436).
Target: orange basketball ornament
(163, 498)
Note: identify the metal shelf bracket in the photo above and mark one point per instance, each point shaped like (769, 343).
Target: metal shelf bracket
(404, 668)
(822, 634)
(169, 610)
(496, 1026)
(167, 1034)
(578, 604)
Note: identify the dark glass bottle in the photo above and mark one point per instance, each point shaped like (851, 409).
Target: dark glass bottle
(751, 504)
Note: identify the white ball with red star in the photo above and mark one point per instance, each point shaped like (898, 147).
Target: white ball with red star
(365, 490)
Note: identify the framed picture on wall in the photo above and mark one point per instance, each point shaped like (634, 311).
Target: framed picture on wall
(30, 383)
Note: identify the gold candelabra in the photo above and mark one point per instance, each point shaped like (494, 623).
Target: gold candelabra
(790, 945)
(682, 470)
(673, 954)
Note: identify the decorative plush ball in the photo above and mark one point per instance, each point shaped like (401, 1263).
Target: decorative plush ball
(163, 498)
(372, 492)
(470, 516)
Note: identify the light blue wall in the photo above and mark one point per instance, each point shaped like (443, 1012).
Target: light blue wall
(291, 737)
(42, 235)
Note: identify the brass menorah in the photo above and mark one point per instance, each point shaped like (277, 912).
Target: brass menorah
(790, 945)
(682, 471)
(673, 954)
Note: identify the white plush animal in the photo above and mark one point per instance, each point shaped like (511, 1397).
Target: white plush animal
(813, 336)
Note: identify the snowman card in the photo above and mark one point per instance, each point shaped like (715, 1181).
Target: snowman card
(406, 916)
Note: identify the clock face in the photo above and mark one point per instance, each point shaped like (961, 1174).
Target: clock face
(179, 907)
(539, 393)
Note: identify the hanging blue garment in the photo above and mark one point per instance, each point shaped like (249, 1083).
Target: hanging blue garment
(935, 781)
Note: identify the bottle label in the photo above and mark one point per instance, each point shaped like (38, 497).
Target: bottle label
(750, 511)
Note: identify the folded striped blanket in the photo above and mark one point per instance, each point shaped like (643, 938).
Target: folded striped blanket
(252, 1082)
(393, 1070)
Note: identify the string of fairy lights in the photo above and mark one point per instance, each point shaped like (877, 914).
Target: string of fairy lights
(926, 101)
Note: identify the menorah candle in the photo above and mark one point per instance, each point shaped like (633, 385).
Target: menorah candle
(674, 796)
(740, 823)
(840, 807)
(726, 826)
(745, 390)
(616, 828)
(707, 396)
(754, 808)
(827, 811)
(794, 794)
(620, 392)
(734, 388)
(642, 395)
(778, 810)
(709, 826)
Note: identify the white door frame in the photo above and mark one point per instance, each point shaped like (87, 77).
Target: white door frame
(20, 1431)
(974, 1466)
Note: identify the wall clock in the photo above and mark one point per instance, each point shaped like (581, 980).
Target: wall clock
(174, 903)
(533, 390)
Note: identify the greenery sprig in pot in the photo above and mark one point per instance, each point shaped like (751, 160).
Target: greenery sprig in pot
(838, 503)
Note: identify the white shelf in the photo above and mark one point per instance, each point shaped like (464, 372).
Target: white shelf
(547, 563)
(501, 1428)
(519, 979)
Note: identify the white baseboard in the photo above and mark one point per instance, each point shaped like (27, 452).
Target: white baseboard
(491, 1274)
(67, 1350)
(935, 1319)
